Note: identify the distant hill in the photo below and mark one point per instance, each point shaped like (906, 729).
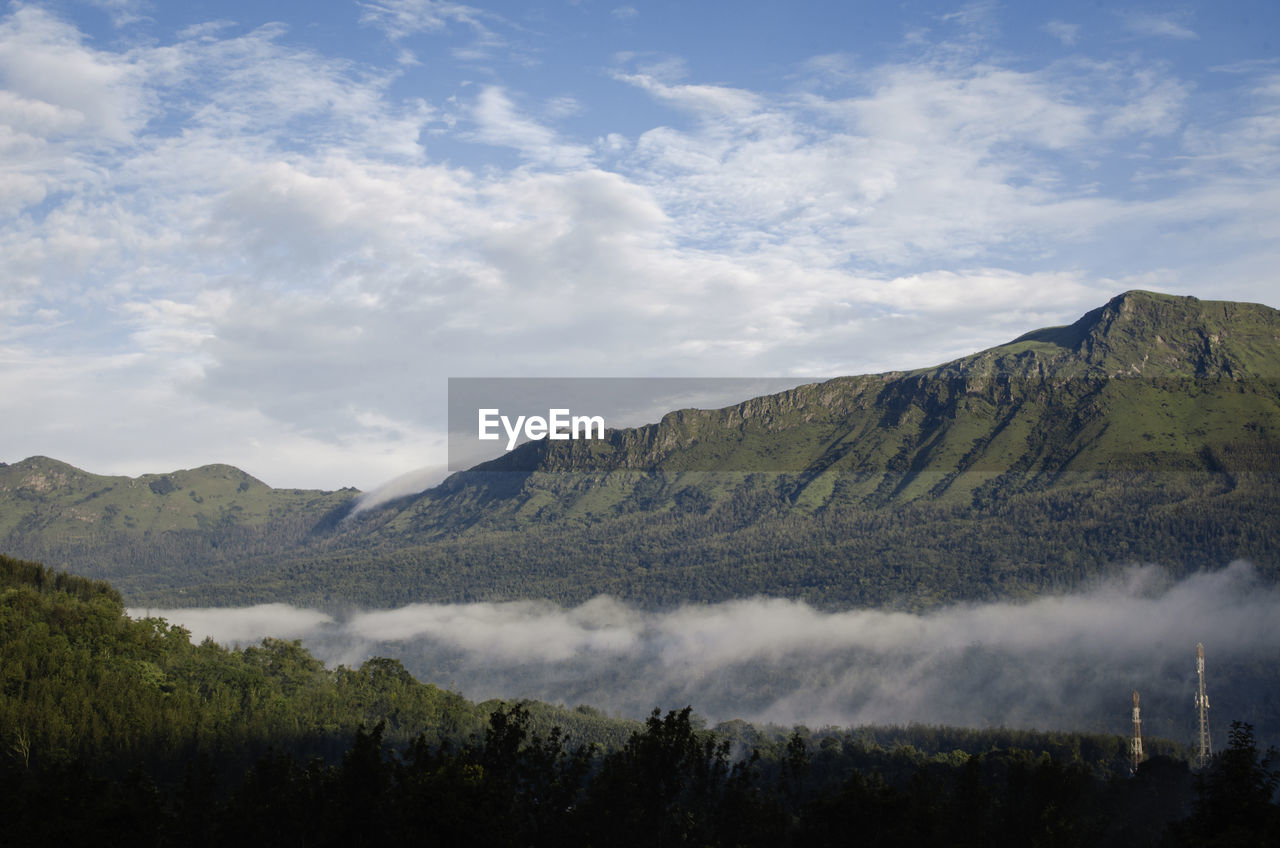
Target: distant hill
(149, 529)
(1149, 430)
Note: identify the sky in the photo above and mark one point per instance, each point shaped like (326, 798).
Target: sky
(268, 233)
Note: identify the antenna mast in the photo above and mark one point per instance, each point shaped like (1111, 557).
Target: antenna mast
(1135, 744)
(1202, 709)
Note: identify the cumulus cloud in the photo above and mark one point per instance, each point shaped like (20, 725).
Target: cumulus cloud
(1063, 661)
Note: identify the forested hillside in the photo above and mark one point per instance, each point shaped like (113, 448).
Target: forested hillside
(121, 731)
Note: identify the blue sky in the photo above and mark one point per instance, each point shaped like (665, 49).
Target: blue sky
(267, 233)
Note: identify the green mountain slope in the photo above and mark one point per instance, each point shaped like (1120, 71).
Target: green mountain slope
(1149, 430)
(137, 528)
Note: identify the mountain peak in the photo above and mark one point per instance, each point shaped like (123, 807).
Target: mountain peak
(1184, 336)
(1120, 310)
(41, 473)
(1136, 311)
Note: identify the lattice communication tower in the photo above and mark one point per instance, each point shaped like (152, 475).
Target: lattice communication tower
(1135, 743)
(1202, 710)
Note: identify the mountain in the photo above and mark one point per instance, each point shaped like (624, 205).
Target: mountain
(1148, 430)
(52, 496)
(138, 528)
(1145, 382)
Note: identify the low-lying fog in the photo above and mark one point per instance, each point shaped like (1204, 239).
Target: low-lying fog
(1065, 662)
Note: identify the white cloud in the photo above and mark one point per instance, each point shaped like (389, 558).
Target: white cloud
(563, 107)
(1063, 31)
(707, 101)
(1169, 25)
(144, 418)
(917, 168)
(1247, 145)
(1155, 105)
(168, 327)
(977, 18)
(243, 625)
(402, 18)
(979, 290)
(122, 12)
(45, 64)
(499, 123)
(520, 631)
(64, 108)
(408, 483)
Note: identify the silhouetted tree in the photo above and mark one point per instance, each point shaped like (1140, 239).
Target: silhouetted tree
(1235, 804)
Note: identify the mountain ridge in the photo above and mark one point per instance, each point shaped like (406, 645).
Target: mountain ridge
(144, 500)
(993, 383)
(1148, 429)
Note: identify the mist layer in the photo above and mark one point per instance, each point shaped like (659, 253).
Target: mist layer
(1064, 662)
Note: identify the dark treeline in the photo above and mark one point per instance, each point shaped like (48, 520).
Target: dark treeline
(117, 730)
